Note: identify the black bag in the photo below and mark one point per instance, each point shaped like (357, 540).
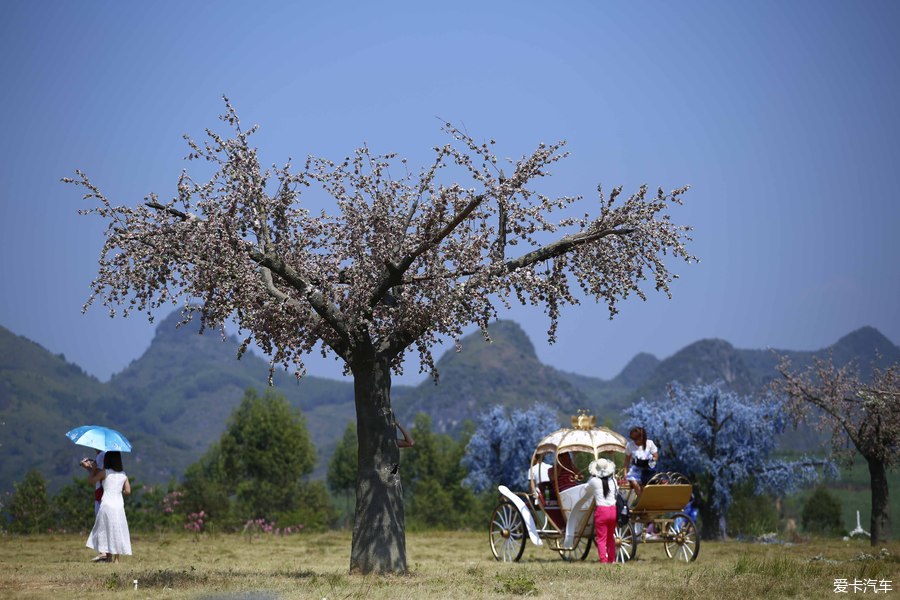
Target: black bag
(623, 513)
(647, 475)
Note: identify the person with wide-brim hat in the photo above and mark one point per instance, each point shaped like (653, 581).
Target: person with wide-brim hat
(602, 485)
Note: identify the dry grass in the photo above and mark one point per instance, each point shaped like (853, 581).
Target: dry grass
(442, 565)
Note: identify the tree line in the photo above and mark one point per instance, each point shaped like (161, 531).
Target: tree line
(256, 476)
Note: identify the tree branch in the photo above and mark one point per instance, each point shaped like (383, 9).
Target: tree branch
(562, 246)
(397, 342)
(552, 250)
(270, 262)
(171, 210)
(393, 273)
(321, 305)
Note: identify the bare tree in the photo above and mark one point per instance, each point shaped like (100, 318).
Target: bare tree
(864, 417)
(405, 260)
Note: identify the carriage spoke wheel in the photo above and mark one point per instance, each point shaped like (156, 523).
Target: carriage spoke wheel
(682, 542)
(581, 549)
(507, 533)
(626, 544)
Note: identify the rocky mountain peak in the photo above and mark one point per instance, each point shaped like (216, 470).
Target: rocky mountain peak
(638, 370)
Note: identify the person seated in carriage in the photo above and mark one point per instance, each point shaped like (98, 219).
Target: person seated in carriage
(641, 455)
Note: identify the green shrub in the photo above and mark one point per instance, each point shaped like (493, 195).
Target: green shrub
(204, 490)
(314, 511)
(73, 506)
(29, 507)
(264, 454)
(751, 514)
(822, 513)
(146, 508)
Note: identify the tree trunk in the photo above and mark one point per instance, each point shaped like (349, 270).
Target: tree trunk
(880, 525)
(379, 527)
(710, 525)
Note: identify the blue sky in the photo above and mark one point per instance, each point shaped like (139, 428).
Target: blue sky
(781, 115)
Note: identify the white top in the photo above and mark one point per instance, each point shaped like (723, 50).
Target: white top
(595, 485)
(645, 453)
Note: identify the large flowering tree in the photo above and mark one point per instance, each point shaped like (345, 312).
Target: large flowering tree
(404, 259)
(720, 440)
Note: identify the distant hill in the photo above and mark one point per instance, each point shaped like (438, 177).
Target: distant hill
(702, 361)
(866, 347)
(506, 371)
(742, 371)
(174, 400)
(42, 396)
(172, 403)
(183, 388)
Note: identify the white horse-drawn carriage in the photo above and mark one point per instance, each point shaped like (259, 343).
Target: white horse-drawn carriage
(557, 510)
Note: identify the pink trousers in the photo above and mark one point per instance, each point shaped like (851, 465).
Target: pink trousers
(605, 533)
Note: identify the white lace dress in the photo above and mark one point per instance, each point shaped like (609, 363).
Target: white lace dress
(110, 533)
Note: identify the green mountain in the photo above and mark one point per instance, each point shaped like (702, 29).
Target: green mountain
(42, 396)
(866, 347)
(172, 403)
(702, 361)
(743, 371)
(505, 371)
(174, 400)
(181, 391)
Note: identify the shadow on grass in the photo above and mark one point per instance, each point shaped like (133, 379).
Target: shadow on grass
(159, 579)
(304, 574)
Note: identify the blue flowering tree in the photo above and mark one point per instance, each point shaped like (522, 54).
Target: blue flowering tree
(499, 452)
(721, 440)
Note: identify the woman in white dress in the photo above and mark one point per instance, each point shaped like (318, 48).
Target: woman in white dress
(110, 533)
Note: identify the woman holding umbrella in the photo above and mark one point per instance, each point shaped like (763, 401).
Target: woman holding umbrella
(110, 533)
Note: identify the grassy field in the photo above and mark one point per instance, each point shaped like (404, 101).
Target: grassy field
(442, 565)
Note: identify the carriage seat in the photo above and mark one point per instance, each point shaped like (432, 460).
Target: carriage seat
(663, 498)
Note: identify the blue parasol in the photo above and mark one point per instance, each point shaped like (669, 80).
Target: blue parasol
(99, 438)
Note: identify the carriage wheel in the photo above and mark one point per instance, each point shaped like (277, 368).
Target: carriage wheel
(507, 533)
(581, 549)
(682, 541)
(626, 543)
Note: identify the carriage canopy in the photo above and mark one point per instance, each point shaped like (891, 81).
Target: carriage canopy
(583, 436)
